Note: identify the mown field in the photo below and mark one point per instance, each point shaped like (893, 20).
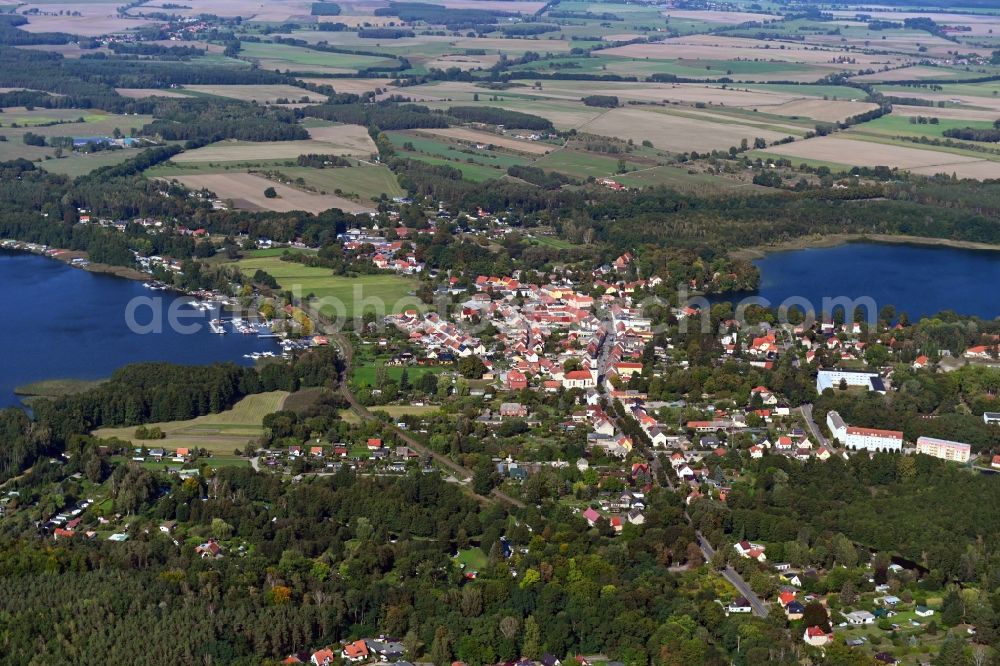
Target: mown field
(299, 59)
(338, 296)
(220, 433)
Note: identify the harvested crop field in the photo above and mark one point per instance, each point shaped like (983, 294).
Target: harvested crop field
(673, 133)
(519, 6)
(903, 74)
(247, 192)
(819, 109)
(513, 45)
(865, 153)
(480, 137)
(986, 103)
(980, 24)
(254, 10)
(350, 137)
(86, 26)
(950, 113)
(712, 47)
(981, 170)
(262, 94)
(687, 93)
(355, 86)
(143, 93)
(718, 17)
(464, 62)
(344, 140)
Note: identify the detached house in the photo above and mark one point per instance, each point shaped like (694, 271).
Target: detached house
(356, 651)
(750, 550)
(816, 636)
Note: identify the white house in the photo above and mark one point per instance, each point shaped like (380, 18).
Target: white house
(859, 617)
(740, 605)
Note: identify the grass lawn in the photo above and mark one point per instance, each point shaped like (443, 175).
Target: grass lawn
(453, 151)
(220, 433)
(579, 163)
(338, 295)
(79, 164)
(473, 558)
(364, 375)
(275, 252)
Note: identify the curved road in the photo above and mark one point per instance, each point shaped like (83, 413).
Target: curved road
(730, 574)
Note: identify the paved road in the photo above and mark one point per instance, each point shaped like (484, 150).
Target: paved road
(730, 574)
(734, 578)
(807, 416)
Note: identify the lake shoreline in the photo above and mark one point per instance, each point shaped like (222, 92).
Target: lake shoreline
(67, 257)
(836, 240)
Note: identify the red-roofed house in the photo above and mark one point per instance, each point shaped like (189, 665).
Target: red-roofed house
(356, 651)
(322, 657)
(516, 381)
(816, 637)
(579, 379)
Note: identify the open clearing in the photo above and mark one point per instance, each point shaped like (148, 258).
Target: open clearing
(262, 94)
(864, 153)
(339, 296)
(486, 138)
(220, 433)
(246, 191)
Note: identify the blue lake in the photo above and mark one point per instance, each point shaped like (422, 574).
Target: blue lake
(61, 322)
(918, 280)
